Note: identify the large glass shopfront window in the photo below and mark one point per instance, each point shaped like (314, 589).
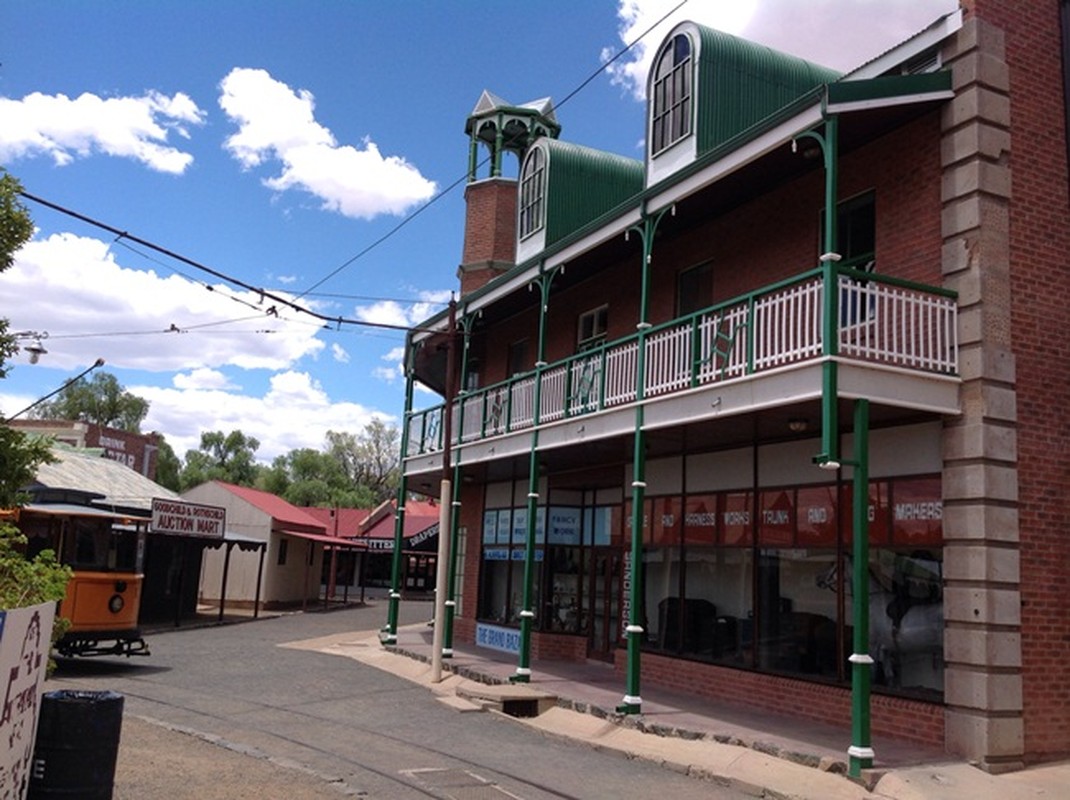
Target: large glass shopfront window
(569, 597)
(763, 580)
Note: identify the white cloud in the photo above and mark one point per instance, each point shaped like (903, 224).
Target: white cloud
(277, 123)
(841, 34)
(339, 353)
(127, 127)
(396, 369)
(202, 379)
(92, 306)
(636, 16)
(293, 413)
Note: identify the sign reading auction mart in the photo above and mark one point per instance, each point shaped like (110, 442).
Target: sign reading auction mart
(179, 518)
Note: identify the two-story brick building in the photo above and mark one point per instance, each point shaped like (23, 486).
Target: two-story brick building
(778, 413)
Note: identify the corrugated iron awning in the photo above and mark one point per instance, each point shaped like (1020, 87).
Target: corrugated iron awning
(322, 538)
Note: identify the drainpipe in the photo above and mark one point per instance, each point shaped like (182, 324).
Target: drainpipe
(631, 703)
(527, 614)
(389, 633)
(465, 324)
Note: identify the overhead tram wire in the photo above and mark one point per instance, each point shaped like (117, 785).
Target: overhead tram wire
(263, 293)
(120, 234)
(459, 181)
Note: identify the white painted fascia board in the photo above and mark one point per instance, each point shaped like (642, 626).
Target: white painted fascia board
(753, 150)
(916, 45)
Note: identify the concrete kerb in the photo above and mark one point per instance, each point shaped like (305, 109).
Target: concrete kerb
(762, 769)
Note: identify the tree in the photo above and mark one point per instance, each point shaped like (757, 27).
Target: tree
(308, 477)
(168, 467)
(102, 401)
(369, 459)
(229, 457)
(16, 228)
(23, 582)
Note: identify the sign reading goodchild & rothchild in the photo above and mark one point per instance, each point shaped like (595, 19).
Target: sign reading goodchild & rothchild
(179, 518)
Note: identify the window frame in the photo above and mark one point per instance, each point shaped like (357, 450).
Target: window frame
(599, 328)
(672, 94)
(531, 210)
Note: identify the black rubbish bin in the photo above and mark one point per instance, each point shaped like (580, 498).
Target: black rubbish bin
(77, 745)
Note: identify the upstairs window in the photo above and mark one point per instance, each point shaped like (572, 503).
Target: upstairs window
(671, 112)
(591, 330)
(694, 289)
(532, 193)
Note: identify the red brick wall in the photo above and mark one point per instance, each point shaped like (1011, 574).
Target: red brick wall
(1040, 332)
(891, 716)
(489, 231)
(759, 243)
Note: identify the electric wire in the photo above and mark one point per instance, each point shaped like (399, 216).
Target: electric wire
(601, 69)
(123, 237)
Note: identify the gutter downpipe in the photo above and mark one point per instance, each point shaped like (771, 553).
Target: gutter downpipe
(527, 614)
(455, 504)
(389, 633)
(632, 702)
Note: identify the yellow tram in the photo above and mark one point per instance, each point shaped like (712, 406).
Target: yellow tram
(106, 552)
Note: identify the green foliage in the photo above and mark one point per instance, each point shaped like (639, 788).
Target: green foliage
(25, 581)
(229, 457)
(16, 228)
(102, 401)
(168, 467)
(16, 225)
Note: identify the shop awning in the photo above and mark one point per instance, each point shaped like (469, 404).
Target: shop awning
(322, 538)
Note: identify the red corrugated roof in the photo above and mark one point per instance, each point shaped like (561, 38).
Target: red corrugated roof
(283, 514)
(419, 516)
(349, 520)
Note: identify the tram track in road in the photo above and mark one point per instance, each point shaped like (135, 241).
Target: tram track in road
(464, 778)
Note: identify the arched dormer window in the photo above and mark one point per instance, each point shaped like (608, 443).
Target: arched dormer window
(671, 102)
(533, 193)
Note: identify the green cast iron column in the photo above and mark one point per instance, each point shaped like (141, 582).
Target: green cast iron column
(455, 506)
(389, 634)
(860, 753)
(632, 702)
(828, 458)
(527, 613)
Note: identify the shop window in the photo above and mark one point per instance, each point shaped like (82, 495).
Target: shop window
(671, 98)
(532, 192)
(766, 581)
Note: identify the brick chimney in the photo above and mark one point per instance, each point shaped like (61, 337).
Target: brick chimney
(490, 216)
(489, 232)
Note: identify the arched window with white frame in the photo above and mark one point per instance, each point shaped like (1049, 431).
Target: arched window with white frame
(671, 104)
(533, 192)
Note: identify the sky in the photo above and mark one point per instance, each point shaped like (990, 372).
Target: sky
(311, 149)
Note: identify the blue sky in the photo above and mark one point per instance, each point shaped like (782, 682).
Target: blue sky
(278, 143)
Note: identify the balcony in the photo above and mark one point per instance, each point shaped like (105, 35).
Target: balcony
(895, 343)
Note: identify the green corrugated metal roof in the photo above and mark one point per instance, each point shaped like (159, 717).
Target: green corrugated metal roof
(739, 83)
(583, 183)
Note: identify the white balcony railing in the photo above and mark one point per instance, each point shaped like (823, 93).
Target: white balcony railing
(880, 320)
